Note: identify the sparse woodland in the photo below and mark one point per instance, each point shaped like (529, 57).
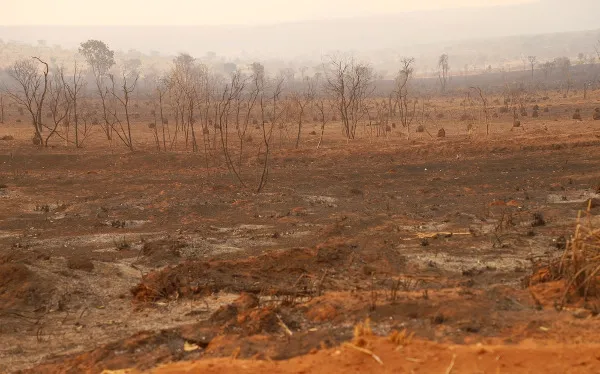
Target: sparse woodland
(235, 119)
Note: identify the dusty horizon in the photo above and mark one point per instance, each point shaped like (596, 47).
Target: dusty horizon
(233, 13)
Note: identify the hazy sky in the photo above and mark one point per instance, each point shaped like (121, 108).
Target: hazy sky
(211, 12)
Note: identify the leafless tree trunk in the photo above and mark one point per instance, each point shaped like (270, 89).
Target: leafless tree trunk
(161, 89)
(349, 83)
(302, 100)
(103, 93)
(407, 114)
(586, 87)
(31, 92)
(59, 104)
(242, 128)
(532, 62)
(444, 68)
(323, 117)
(73, 89)
(129, 82)
(485, 109)
(267, 129)
(231, 93)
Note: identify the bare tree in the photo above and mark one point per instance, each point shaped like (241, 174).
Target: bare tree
(302, 100)
(73, 91)
(401, 93)
(532, 63)
(485, 109)
(187, 81)
(586, 86)
(524, 61)
(160, 89)
(244, 109)
(32, 85)
(224, 109)
(443, 69)
(122, 94)
(349, 82)
(564, 65)
(100, 59)
(268, 96)
(548, 68)
(321, 106)
(59, 105)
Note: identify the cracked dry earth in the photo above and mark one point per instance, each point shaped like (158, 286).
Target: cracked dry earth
(145, 261)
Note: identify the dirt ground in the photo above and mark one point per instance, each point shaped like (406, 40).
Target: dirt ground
(111, 260)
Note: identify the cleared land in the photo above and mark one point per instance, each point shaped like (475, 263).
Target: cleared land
(115, 260)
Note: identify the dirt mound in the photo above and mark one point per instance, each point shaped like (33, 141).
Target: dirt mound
(249, 322)
(294, 273)
(242, 329)
(80, 263)
(143, 351)
(245, 317)
(162, 251)
(21, 289)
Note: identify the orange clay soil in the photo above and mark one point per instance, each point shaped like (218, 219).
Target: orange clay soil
(418, 357)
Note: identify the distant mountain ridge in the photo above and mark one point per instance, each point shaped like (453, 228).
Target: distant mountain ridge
(311, 38)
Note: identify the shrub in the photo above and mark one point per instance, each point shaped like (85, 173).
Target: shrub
(580, 262)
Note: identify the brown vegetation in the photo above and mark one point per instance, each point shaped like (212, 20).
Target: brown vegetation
(267, 223)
